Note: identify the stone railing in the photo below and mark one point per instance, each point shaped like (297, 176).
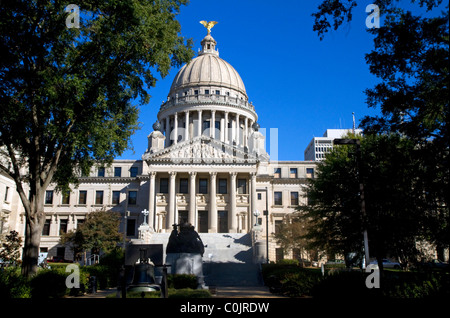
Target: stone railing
(207, 99)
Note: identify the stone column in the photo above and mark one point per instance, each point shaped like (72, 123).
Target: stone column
(232, 203)
(212, 228)
(175, 128)
(237, 130)
(212, 125)
(227, 140)
(151, 200)
(192, 198)
(245, 132)
(252, 199)
(167, 144)
(200, 124)
(186, 130)
(222, 129)
(172, 201)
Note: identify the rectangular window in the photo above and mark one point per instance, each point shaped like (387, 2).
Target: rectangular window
(131, 227)
(184, 185)
(62, 226)
(310, 172)
(164, 185)
(132, 197)
(133, 172)
(217, 92)
(206, 91)
(294, 198)
(242, 186)
(203, 186)
(98, 197)
(259, 196)
(66, 197)
(101, 172)
(293, 173)
(277, 173)
(46, 228)
(117, 171)
(6, 194)
(196, 92)
(278, 224)
(49, 197)
(116, 197)
(223, 186)
(206, 125)
(82, 197)
(278, 198)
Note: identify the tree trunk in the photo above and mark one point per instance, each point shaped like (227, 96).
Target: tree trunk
(35, 219)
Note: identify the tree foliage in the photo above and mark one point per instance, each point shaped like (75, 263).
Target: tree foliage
(10, 248)
(99, 232)
(395, 218)
(70, 96)
(410, 58)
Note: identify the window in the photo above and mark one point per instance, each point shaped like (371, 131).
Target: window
(49, 197)
(46, 228)
(310, 172)
(293, 173)
(259, 196)
(223, 186)
(203, 186)
(196, 92)
(82, 198)
(101, 172)
(66, 197)
(117, 171)
(242, 186)
(6, 194)
(164, 185)
(294, 198)
(133, 172)
(62, 226)
(131, 227)
(278, 198)
(116, 197)
(98, 197)
(184, 185)
(206, 125)
(217, 92)
(278, 224)
(279, 254)
(132, 197)
(277, 172)
(206, 91)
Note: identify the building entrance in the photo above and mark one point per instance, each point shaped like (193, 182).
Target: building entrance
(222, 221)
(202, 222)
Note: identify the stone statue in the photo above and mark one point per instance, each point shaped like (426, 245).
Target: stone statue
(186, 240)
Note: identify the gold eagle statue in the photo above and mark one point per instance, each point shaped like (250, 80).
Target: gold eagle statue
(208, 25)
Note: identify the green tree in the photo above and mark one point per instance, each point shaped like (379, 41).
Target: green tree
(394, 219)
(10, 249)
(410, 57)
(99, 232)
(69, 96)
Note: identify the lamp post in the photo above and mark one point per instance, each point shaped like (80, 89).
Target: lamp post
(256, 213)
(357, 143)
(266, 213)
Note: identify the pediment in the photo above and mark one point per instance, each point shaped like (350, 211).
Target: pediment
(202, 149)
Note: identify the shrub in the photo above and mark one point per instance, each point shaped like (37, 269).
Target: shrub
(13, 284)
(288, 262)
(49, 283)
(180, 281)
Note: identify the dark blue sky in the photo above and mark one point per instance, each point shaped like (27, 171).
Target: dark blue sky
(297, 83)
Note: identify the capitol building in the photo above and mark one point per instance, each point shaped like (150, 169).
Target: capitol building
(205, 164)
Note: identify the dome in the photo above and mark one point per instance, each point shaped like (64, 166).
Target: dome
(208, 70)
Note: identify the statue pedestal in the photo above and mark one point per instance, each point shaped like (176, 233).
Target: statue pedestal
(145, 233)
(187, 263)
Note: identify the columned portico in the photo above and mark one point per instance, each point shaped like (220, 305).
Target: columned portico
(212, 216)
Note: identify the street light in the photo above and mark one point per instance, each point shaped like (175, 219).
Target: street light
(357, 143)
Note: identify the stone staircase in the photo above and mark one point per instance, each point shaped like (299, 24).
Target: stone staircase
(227, 261)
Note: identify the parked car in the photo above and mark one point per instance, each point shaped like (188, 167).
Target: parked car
(435, 264)
(388, 264)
